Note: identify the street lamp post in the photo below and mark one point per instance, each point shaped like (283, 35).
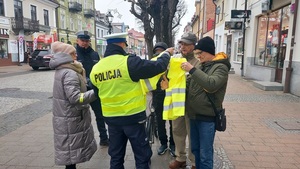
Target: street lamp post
(67, 31)
(109, 18)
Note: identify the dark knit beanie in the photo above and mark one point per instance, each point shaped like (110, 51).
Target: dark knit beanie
(206, 44)
(161, 45)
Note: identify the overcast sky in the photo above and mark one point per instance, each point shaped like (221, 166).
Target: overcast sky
(121, 12)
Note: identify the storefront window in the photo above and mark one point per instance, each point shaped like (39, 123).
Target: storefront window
(238, 46)
(271, 39)
(3, 49)
(261, 40)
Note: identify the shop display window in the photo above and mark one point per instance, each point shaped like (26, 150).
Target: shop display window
(272, 38)
(3, 49)
(238, 46)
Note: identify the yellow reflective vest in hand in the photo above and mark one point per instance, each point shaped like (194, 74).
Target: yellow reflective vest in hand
(174, 103)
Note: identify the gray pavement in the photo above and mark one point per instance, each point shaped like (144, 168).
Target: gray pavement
(263, 126)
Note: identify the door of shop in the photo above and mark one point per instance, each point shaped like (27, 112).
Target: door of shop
(281, 55)
(280, 62)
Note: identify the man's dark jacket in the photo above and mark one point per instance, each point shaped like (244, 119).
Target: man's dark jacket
(88, 57)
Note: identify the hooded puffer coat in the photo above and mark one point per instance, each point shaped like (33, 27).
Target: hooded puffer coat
(74, 140)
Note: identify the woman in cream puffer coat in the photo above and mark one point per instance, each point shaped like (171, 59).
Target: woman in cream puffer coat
(74, 140)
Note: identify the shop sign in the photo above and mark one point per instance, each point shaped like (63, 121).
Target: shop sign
(21, 48)
(12, 46)
(235, 25)
(99, 42)
(4, 21)
(240, 13)
(4, 33)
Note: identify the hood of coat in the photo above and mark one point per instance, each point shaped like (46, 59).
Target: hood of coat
(59, 59)
(221, 58)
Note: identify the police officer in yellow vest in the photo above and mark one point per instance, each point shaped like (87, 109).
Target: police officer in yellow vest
(116, 80)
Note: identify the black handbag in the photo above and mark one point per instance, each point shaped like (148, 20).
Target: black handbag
(220, 121)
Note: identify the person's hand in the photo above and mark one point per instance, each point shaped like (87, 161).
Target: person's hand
(186, 66)
(164, 84)
(170, 50)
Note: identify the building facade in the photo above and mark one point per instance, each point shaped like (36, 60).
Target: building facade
(136, 43)
(203, 21)
(30, 25)
(269, 53)
(74, 16)
(101, 30)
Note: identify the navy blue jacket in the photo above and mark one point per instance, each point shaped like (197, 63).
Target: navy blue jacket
(138, 69)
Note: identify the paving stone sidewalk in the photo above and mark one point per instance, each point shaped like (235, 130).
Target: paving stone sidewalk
(263, 131)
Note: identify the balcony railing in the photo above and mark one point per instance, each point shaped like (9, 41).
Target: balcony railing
(44, 28)
(89, 13)
(25, 24)
(75, 7)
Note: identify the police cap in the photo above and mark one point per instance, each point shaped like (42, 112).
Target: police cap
(85, 35)
(116, 37)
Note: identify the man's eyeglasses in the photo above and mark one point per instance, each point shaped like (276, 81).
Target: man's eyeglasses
(198, 53)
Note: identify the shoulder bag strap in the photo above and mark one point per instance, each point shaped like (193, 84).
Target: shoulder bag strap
(212, 103)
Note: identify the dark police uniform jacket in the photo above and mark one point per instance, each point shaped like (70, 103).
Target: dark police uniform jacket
(88, 57)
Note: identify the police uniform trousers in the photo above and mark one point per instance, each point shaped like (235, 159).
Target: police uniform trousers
(181, 129)
(136, 134)
(96, 107)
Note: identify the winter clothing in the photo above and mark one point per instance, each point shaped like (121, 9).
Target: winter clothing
(206, 44)
(73, 132)
(161, 45)
(128, 99)
(181, 126)
(88, 57)
(62, 47)
(137, 69)
(212, 77)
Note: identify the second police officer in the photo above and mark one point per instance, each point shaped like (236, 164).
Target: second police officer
(88, 57)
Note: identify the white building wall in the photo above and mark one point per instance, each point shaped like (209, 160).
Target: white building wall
(295, 78)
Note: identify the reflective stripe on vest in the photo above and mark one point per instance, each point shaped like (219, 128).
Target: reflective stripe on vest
(119, 95)
(150, 83)
(81, 98)
(174, 102)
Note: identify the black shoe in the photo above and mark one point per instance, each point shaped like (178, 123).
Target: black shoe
(162, 149)
(172, 150)
(104, 143)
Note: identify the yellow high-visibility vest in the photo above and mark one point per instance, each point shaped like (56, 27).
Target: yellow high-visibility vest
(174, 103)
(119, 95)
